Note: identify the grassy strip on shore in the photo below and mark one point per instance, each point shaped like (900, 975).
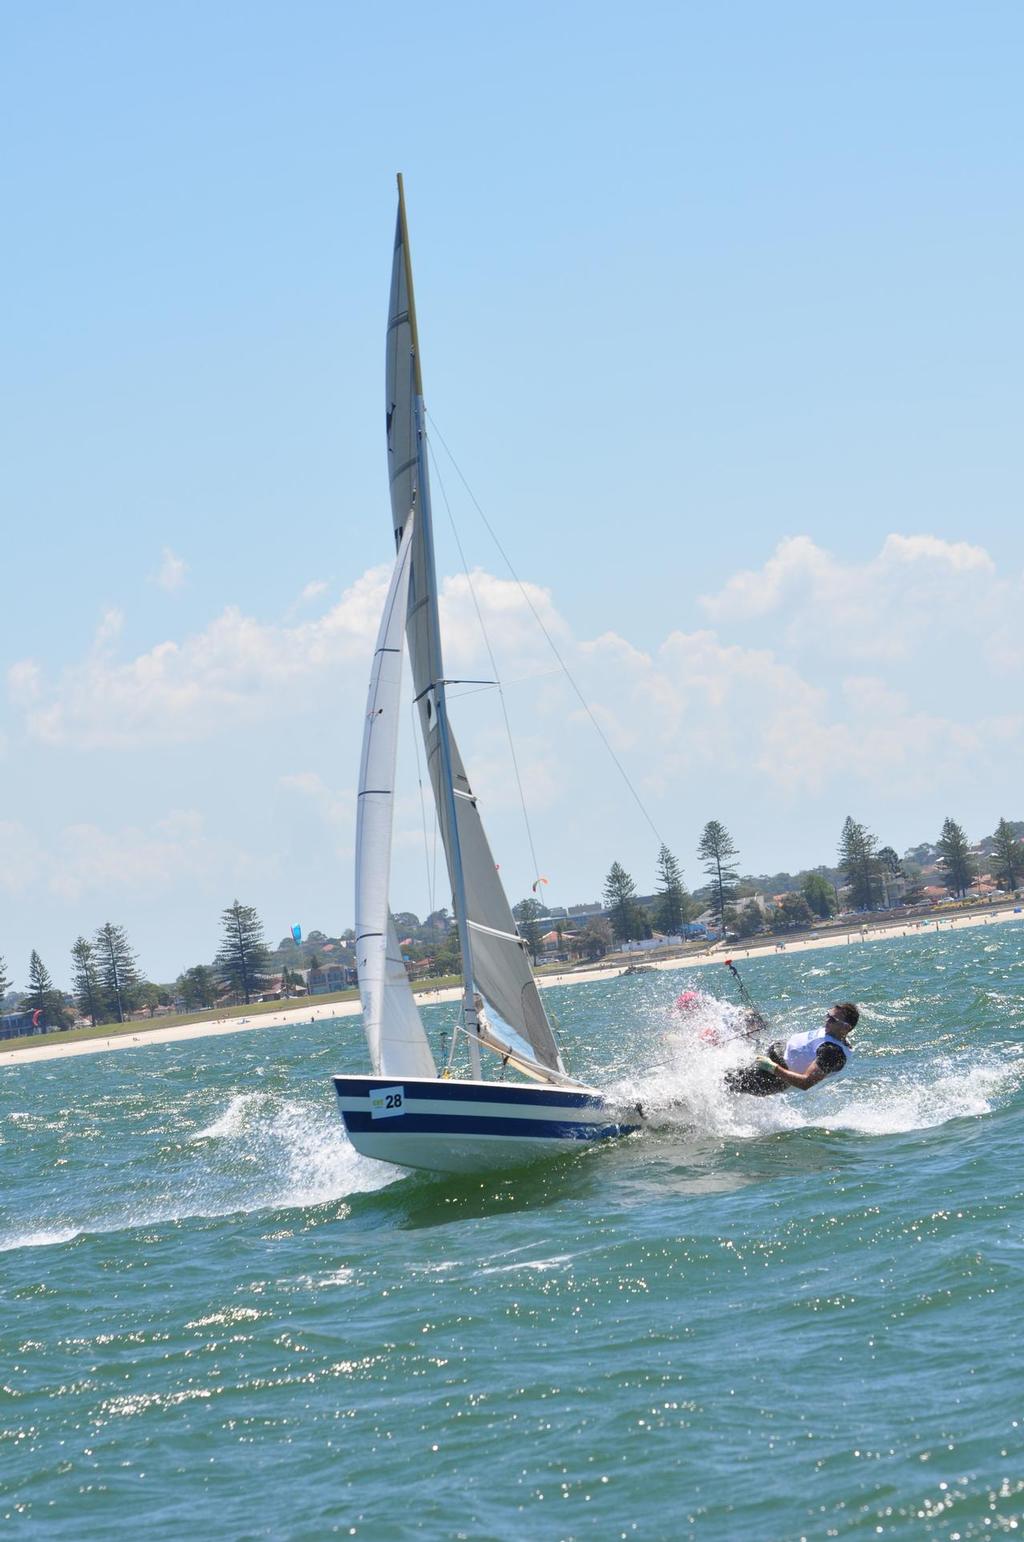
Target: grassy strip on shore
(172, 1020)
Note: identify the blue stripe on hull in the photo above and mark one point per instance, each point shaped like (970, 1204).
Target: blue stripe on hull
(479, 1124)
(506, 1093)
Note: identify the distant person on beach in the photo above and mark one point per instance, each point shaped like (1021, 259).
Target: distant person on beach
(804, 1060)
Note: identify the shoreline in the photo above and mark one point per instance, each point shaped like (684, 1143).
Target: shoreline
(291, 1016)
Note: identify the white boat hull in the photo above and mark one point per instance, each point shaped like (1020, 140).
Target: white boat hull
(472, 1126)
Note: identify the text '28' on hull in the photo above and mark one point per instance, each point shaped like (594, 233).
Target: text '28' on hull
(467, 1126)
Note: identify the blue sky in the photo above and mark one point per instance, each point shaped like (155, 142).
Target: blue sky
(720, 315)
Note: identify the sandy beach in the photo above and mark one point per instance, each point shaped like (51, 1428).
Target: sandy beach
(856, 937)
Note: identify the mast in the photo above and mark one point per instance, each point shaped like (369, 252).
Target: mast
(437, 686)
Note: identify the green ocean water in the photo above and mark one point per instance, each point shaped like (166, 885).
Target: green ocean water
(798, 1317)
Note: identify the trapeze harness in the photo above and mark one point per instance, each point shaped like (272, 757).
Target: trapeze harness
(797, 1054)
(802, 1050)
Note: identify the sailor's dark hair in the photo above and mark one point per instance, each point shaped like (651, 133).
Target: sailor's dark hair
(848, 1012)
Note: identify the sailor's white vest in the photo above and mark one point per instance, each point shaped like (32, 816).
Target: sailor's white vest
(802, 1048)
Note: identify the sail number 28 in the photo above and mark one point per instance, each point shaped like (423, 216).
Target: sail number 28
(386, 1102)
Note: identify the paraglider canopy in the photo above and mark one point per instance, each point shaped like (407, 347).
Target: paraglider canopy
(297, 933)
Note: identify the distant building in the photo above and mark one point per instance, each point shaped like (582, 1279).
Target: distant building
(329, 978)
(13, 1025)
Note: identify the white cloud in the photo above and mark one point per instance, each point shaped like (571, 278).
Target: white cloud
(314, 590)
(76, 859)
(23, 682)
(510, 611)
(171, 573)
(337, 809)
(917, 591)
(832, 686)
(958, 555)
(236, 672)
(797, 563)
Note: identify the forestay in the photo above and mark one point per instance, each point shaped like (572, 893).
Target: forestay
(499, 964)
(398, 1045)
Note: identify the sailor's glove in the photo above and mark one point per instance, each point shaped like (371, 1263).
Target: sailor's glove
(764, 1064)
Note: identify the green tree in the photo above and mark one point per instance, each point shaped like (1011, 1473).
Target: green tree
(448, 954)
(626, 915)
(745, 920)
(1007, 854)
(5, 983)
(819, 894)
(198, 987)
(85, 981)
(792, 914)
(716, 850)
(858, 859)
(117, 970)
(41, 996)
(149, 996)
(672, 903)
(955, 855)
(242, 958)
(528, 913)
(596, 937)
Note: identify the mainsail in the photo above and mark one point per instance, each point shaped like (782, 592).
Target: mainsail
(398, 1044)
(494, 955)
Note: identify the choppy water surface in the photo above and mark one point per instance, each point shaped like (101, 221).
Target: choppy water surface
(797, 1317)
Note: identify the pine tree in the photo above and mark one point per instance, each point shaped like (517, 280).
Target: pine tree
(716, 848)
(85, 984)
(42, 997)
(1008, 855)
(117, 970)
(243, 955)
(626, 914)
(672, 908)
(858, 858)
(5, 983)
(956, 857)
(528, 913)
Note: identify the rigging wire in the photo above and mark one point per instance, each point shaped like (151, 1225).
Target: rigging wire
(490, 655)
(536, 616)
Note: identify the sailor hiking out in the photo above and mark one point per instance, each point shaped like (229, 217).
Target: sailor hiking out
(804, 1060)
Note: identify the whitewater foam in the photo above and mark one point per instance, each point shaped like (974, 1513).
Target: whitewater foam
(687, 1089)
(262, 1152)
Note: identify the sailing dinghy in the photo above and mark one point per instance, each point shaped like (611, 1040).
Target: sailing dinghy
(408, 1111)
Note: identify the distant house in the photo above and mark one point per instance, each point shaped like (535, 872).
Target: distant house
(329, 978)
(645, 944)
(14, 1024)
